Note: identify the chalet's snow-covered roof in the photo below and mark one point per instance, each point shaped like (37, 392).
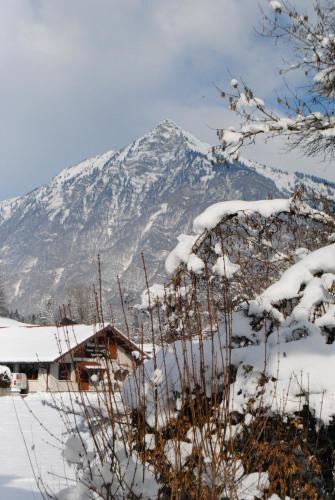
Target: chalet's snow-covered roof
(22, 343)
(30, 343)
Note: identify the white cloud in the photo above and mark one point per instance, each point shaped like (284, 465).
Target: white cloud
(82, 76)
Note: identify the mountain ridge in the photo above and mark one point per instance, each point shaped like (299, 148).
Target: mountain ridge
(121, 204)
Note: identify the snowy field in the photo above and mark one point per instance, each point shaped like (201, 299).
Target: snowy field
(17, 480)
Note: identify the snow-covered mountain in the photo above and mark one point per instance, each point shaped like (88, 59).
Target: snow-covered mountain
(119, 205)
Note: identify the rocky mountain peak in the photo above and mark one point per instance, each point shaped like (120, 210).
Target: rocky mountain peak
(119, 205)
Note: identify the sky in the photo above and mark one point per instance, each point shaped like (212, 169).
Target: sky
(80, 77)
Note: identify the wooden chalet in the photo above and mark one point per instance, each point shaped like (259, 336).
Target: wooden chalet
(68, 358)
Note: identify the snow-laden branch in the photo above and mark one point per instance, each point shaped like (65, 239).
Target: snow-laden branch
(308, 122)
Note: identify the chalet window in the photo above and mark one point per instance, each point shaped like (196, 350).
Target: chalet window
(90, 348)
(95, 348)
(30, 369)
(64, 371)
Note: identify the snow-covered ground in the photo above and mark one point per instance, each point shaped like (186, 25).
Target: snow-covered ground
(17, 480)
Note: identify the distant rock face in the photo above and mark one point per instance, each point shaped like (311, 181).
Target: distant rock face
(120, 205)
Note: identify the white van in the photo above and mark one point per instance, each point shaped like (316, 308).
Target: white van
(19, 383)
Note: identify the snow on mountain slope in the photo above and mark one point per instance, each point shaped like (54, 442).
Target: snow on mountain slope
(120, 204)
(287, 182)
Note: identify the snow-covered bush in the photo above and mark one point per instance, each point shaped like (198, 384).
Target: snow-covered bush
(290, 328)
(278, 386)
(118, 474)
(247, 244)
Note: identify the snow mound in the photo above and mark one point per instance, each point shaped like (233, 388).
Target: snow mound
(301, 275)
(213, 214)
(185, 251)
